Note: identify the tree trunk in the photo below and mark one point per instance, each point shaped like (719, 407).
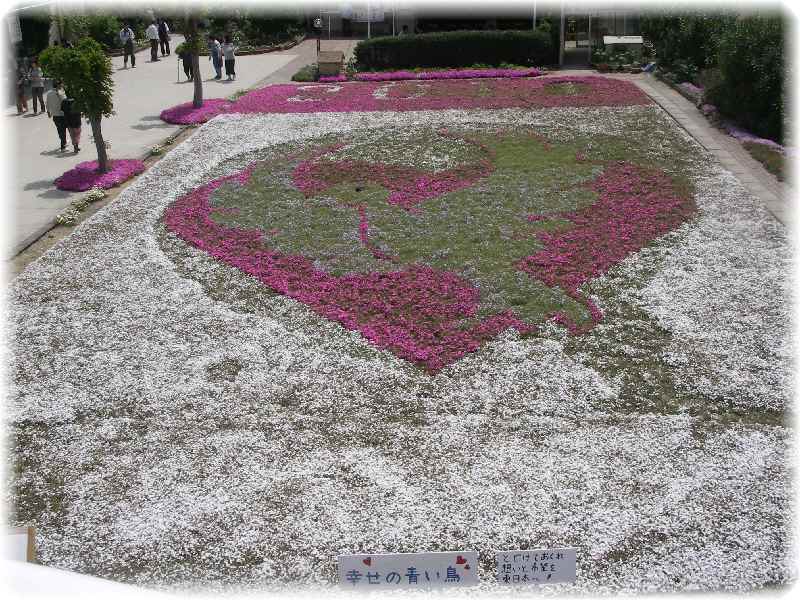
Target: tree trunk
(100, 144)
(192, 38)
(197, 101)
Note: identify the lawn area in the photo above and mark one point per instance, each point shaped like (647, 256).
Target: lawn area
(461, 324)
(773, 161)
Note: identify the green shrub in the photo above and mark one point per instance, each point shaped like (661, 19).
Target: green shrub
(307, 73)
(104, 29)
(751, 65)
(691, 38)
(455, 49)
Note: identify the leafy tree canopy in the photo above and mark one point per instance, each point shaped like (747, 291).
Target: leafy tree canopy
(86, 73)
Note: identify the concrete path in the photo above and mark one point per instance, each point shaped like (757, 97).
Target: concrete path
(731, 154)
(140, 94)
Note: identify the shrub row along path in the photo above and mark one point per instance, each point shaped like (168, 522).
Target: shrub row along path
(140, 94)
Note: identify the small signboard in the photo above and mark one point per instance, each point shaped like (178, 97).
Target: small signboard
(20, 544)
(519, 567)
(408, 570)
(622, 39)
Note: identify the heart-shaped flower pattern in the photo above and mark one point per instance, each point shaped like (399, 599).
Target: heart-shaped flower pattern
(430, 263)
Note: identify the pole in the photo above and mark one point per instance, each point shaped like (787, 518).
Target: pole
(368, 20)
(534, 14)
(590, 38)
(561, 37)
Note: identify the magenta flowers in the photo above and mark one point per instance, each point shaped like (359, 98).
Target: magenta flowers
(85, 175)
(408, 186)
(425, 315)
(187, 114)
(635, 206)
(423, 92)
(447, 74)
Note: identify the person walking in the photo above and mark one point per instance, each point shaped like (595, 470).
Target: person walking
(22, 84)
(185, 54)
(152, 35)
(37, 87)
(163, 37)
(229, 51)
(53, 101)
(215, 55)
(72, 118)
(128, 39)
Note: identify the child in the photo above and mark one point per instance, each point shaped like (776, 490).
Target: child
(230, 57)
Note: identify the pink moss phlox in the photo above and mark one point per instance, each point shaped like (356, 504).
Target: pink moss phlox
(634, 207)
(187, 114)
(418, 312)
(745, 136)
(85, 175)
(438, 95)
(407, 186)
(447, 74)
(332, 78)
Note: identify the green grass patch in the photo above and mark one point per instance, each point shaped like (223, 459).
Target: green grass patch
(773, 161)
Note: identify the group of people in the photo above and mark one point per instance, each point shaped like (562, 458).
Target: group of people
(30, 76)
(218, 54)
(158, 35)
(222, 53)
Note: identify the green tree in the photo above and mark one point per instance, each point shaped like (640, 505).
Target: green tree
(86, 73)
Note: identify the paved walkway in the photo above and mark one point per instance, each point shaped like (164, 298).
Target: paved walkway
(139, 96)
(731, 154)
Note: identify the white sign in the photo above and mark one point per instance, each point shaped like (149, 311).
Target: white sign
(409, 570)
(622, 39)
(536, 566)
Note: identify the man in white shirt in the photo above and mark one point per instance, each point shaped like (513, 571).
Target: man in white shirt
(126, 36)
(152, 35)
(52, 103)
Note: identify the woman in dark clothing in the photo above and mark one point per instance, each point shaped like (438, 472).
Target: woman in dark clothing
(72, 119)
(186, 58)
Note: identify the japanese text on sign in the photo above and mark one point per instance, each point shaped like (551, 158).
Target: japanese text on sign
(536, 566)
(408, 570)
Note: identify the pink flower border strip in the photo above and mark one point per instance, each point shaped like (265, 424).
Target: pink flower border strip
(419, 94)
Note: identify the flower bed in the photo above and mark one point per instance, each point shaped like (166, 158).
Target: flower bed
(187, 114)
(85, 175)
(184, 425)
(447, 74)
(493, 93)
(424, 308)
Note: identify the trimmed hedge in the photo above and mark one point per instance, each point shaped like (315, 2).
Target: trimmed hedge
(751, 62)
(455, 49)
